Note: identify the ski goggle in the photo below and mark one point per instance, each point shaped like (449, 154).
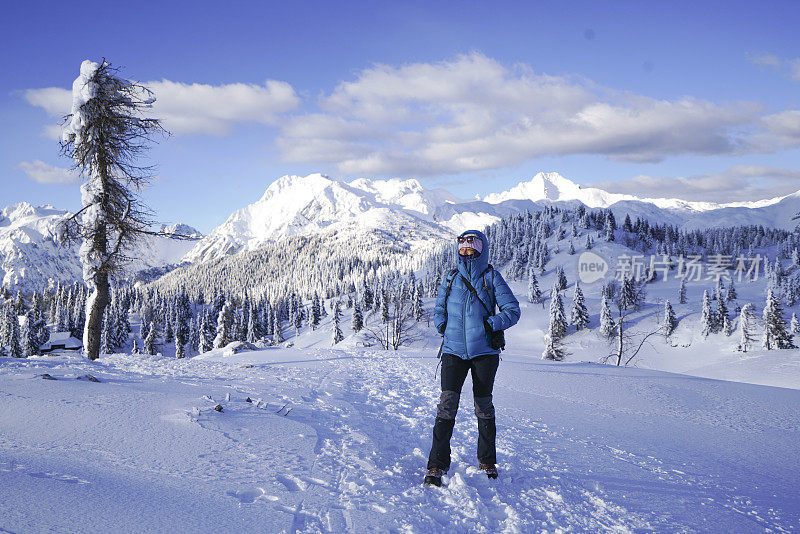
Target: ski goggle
(470, 241)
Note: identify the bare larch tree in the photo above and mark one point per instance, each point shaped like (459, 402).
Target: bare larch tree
(104, 135)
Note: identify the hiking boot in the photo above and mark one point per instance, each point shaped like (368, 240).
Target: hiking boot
(489, 469)
(434, 477)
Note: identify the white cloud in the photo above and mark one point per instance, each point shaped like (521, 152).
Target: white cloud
(787, 67)
(44, 173)
(794, 68)
(192, 108)
(473, 113)
(765, 60)
(739, 183)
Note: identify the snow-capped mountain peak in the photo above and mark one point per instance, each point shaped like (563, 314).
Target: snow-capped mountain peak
(295, 205)
(553, 187)
(408, 194)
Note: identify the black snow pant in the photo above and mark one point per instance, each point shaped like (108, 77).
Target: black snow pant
(454, 372)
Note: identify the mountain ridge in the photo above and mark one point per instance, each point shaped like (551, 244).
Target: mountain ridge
(316, 203)
(554, 187)
(403, 211)
(33, 253)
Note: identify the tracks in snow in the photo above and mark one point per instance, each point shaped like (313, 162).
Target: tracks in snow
(374, 434)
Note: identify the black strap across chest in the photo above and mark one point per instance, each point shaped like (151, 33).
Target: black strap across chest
(475, 293)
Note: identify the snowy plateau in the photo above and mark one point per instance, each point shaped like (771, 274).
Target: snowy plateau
(303, 435)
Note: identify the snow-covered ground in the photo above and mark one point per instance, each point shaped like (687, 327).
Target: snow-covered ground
(336, 441)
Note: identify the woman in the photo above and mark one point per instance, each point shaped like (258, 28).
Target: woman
(464, 315)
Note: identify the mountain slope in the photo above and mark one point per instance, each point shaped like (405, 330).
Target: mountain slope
(32, 254)
(294, 205)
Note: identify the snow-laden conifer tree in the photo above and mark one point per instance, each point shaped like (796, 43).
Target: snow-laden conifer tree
(707, 321)
(169, 333)
(30, 335)
(794, 325)
(357, 321)
(630, 293)
(727, 326)
(180, 351)
(579, 316)
(730, 294)
(670, 321)
(534, 293)
(721, 314)
(719, 290)
(206, 335)
(682, 291)
(384, 306)
(150, 340)
(561, 279)
(298, 319)
(315, 316)
(776, 335)
(194, 334)
(337, 317)
(416, 308)
(746, 327)
(61, 317)
(104, 133)
(557, 329)
(607, 324)
(252, 326)
(106, 346)
(277, 328)
(368, 298)
(224, 325)
(122, 326)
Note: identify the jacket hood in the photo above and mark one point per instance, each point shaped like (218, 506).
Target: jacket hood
(473, 268)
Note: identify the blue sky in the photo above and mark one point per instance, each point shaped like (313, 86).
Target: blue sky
(697, 100)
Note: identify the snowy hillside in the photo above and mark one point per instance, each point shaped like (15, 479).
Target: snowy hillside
(32, 255)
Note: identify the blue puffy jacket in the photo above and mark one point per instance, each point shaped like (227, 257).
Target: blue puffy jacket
(462, 323)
